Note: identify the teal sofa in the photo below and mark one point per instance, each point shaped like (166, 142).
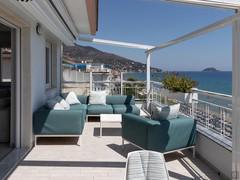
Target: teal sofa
(114, 105)
(47, 122)
(163, 136)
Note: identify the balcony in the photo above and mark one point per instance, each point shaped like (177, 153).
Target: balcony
(211, 110)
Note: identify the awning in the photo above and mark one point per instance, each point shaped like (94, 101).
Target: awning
(229, 4)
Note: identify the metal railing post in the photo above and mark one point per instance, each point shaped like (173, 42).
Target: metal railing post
(192, 113)
(121, 83)
(91, 82)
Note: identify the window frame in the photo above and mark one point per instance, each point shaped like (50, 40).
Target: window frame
(48, 65)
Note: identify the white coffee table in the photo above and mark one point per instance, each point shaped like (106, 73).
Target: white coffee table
(109, 118)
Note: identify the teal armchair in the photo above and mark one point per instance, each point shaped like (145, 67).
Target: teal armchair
(162, 136)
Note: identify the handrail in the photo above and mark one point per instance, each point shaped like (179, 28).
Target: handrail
(213, 104)
(214, 94)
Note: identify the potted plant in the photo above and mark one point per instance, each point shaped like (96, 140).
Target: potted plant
(179, 87)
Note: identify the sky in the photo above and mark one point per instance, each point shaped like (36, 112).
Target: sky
(154, 22)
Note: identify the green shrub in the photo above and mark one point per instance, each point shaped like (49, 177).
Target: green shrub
(176, 83)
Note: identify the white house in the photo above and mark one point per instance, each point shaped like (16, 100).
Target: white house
(34, 31)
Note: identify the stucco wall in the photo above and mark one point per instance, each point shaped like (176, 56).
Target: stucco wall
(218, 156)
(39, 91)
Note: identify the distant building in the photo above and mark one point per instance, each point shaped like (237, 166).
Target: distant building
(97, 67)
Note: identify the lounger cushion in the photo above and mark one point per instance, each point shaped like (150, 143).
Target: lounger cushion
(96, 109)
(121, 109)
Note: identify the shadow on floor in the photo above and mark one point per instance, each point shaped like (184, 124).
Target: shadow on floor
(178, 176)
(173, 156)
(108, 132)
(5, 149)
(57, 141)
(123, 150)
(93, 119)
(192, 165)
(74, 164)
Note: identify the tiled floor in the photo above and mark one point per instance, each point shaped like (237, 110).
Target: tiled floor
(97, 159)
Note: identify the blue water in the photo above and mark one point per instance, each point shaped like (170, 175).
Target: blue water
(220, 82)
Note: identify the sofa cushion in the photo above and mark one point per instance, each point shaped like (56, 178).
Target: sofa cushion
(117, 99)
(173, 134)
(83, 99)
(121, 109)
(78, 107)
(96, 109)
(61, 122)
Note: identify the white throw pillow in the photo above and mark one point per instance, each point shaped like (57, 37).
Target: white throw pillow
(63, 102)
(166, 112)
(72, 98)
(54, 104)
(97, 97)
(58, 106)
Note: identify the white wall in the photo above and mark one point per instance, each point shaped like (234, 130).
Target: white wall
(39, 91)
(31, 68)
(218, 156)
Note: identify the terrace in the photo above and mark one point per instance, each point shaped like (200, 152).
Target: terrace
(98, 159)
(105, 157)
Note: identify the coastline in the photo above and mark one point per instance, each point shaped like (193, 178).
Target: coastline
(216, 81)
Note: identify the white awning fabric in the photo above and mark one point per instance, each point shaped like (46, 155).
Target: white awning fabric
(230, 4)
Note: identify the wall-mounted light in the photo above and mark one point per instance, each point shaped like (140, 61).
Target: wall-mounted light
(39, 29)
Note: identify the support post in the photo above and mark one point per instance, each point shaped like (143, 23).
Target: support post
(236, 100)
(148, 78)
(91, 82)
(121, 83)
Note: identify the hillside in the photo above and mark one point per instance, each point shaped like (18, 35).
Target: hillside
(79, 53)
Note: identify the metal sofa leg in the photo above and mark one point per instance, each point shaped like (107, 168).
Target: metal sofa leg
(79, 141)
(35, 140)
(194, 152)
(123, 147)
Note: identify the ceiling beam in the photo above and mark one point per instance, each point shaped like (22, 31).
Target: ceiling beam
(199, 32)
(114, 43)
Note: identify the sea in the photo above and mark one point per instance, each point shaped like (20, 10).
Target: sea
(219, 81)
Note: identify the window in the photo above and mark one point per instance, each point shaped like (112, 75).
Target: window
(5, 64)
(48, 61)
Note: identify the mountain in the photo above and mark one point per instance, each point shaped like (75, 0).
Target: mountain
(119, 63)
(210, 69)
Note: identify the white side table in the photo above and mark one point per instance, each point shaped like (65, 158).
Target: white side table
(109, 118)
